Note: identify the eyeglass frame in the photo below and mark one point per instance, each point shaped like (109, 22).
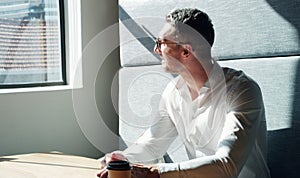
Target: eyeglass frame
(159, 42)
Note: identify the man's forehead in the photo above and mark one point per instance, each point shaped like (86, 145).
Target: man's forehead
(168, 31)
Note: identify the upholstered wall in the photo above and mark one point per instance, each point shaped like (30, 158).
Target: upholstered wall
(260, 37)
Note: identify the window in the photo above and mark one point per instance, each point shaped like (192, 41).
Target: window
(32, 45)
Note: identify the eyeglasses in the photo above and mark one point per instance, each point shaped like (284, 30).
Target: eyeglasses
(159, 42)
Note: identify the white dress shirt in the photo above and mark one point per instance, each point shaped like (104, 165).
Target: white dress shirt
(223, 129)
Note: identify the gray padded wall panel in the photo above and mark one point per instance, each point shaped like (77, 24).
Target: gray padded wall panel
(141, 88)
(244, 28)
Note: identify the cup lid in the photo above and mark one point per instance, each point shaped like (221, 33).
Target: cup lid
(119, 165)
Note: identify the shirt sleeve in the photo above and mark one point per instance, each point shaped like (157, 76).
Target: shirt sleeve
(234, 146)
(155, 141)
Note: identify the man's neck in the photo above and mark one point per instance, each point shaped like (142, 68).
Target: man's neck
(196, 76)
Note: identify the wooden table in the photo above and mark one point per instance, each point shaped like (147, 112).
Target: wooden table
(48, 165)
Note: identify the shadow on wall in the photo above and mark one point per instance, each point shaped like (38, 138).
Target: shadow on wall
(284, 145)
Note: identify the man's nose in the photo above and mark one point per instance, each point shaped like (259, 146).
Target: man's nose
(157, 50)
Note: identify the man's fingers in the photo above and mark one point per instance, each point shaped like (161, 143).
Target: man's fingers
(103, 173)
(102, 162)
(117, 156)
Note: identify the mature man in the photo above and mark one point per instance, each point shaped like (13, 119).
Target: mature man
(217, 112)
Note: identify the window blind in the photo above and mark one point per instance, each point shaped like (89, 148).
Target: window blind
(31, 43)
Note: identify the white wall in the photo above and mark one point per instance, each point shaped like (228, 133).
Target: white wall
(45, 121)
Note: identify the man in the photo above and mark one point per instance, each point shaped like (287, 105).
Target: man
(217, 112)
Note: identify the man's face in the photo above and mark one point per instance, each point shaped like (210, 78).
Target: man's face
(168, 48)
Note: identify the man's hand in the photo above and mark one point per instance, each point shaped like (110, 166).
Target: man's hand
(144, 171)
(103, 173)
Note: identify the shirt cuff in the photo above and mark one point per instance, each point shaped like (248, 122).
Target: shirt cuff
(168, 170)
(167, 167)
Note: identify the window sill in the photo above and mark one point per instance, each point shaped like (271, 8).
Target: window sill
(39, 89)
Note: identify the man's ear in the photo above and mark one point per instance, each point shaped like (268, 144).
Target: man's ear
(187, 50)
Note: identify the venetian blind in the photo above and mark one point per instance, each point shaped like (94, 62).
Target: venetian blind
(31, 44)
